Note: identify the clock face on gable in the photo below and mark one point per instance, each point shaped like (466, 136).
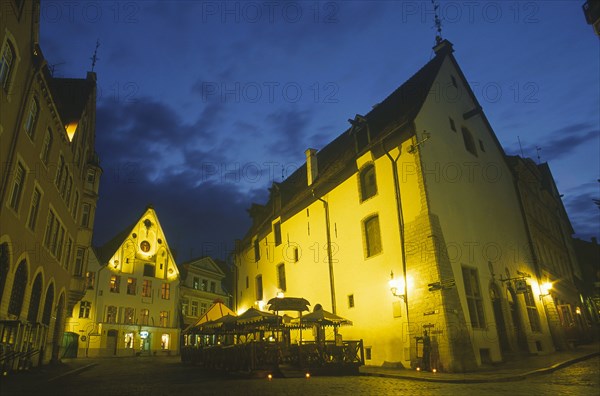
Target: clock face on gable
(145, 246)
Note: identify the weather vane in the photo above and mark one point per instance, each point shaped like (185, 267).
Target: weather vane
(538, 149)
(94, 57)
(437, 22)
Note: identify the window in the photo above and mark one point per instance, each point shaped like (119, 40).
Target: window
(469, 142)
(60, 169)
(128, 340)
(474, 299)
(46, 147)
(34, 208)
(259, 287)
(532, 312)
(164, 319)
(351, 301)
(68, 253)
(115, 281)
(164, 341)
(7, 63)
(85, 215)
(79, 256)
(256, 250)
(90, 279)
(49, 226)
(84, 309)
(165, 291)
(203, 308)
(204, 285)
(75, 204)
(18, 183)
(149, 270)
(247, 282)
(194, 308)
(281, 277)
(147, 288)
(58, 251)
(144, 315)
(131, 284)
(184, 306)
(32, 117)
(129, 315)
(452, 125)
(91, 177)
(213, 287)
(111, 314)
(368, 183)
(372, 236)
(68, 188)
(196, 282)
(277, 233)
(566, 315)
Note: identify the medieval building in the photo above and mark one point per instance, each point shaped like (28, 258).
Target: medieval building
(408, 222)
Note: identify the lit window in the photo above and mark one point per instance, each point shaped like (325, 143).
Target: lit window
(32, 117)
(18, 184)
(474, 299)
(368, 183)
(184, 306)
(203, 307)
(90, 279)
(469, 142)
(281, 283)
(84, 309)
(129, 316)
(147, 288)
(259, 287)
(7, 62)
(131, 284)
(372, 236)
(164, 319)
(34, 208)
(115, 281)
(46, 146)
(164, 341)
(204, 285)
(128, 340)
(144, 315)
(196, 282)
(165, 291)
(194, 308)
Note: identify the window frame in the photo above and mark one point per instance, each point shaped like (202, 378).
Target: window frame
(368, 241)
(367, 190)
(474, 297)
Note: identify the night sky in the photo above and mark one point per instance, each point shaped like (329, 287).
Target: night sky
(202, 104)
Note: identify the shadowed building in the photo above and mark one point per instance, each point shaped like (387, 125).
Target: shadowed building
(409, 221)
(132, 298)
(48, 191)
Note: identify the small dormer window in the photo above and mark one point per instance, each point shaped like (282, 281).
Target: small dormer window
(454, 84)
(368, 183)
(469, 141)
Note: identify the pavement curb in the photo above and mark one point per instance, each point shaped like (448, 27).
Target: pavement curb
(492, 378)
(73, 372)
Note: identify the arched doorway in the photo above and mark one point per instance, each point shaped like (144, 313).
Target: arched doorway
(58, 328)
(17, 295)
(4, 266)
(34, 301)
(499, 318)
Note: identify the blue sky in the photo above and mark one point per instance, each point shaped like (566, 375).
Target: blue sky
(203, 104)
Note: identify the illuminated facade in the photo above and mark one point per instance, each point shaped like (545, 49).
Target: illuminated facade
(131, 303)
(557, 267)
(201, 286)
(50, 178)
(407, 222)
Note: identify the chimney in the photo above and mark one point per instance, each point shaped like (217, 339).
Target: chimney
(311, 165)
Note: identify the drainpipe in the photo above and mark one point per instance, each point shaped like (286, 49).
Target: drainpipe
(393, 163)
(329, 258)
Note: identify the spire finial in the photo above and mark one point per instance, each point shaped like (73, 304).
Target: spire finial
(437, 22)
(94, 57)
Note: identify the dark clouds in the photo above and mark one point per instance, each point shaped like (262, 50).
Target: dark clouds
(583, 212)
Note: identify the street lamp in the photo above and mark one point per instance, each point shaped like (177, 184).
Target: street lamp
(397, 286)
(545, 289)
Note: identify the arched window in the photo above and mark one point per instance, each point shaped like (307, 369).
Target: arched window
(3, 266)
(48, 305)
(34, 302)
(372, 236)
(46, 146)
(7, 64)
(469, 142)
(32, 117)
(18, 290)
(368, 183)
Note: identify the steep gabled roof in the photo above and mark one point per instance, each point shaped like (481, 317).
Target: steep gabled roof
(71, 96)
(399, 108)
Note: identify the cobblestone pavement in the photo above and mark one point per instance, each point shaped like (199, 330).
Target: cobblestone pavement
(167, 376)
